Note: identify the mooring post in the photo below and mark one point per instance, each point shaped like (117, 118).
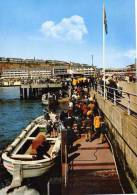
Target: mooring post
(30, 92)
(64, 157)
(21, 93)
(25, 93)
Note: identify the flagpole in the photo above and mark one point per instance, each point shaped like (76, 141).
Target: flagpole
(136, 36)
(104, 52)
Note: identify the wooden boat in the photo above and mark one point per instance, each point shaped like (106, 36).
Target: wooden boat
(18, 160)
(49, 101)
(45, 100)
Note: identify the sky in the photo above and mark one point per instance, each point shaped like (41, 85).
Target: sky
(69, 30)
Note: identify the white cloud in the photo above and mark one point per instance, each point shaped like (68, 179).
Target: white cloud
(72, 28)
(116, 57)
(130, 53)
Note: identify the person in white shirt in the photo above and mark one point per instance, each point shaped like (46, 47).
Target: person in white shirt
(70, 105)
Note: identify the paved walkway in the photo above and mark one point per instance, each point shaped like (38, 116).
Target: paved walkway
(131, 88)
(92, 169)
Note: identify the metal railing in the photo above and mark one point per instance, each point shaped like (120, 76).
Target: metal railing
(124, 99)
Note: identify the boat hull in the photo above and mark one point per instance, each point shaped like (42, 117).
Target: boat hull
(29, 170)
(45, 102)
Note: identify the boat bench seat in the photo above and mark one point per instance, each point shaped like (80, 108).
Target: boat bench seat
(30, 149)
(22, 156)
(30, 138)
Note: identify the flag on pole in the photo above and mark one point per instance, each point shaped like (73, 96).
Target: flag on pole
(136, 37)
(105, 21)
(105, 31)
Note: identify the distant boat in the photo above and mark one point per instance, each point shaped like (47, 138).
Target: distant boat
(45, 100)
(19, 161)
(49, 100)
(53, 101)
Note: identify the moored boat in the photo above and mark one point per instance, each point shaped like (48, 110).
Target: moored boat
(49, 100)
(19, 158)
(45, 100)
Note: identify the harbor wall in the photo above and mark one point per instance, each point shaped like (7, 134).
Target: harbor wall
(123, 136)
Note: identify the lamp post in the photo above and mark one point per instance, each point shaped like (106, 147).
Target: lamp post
(92, 56)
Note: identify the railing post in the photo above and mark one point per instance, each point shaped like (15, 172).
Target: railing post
(48, 188)
(114, 97)
(64, 157)
(128, 104)
(97, 88)
(106, 94)
(100, 90)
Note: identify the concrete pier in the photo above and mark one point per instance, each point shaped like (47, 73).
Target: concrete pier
(34, 90)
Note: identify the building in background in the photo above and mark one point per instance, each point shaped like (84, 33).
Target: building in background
(14, 73)
(37, 68)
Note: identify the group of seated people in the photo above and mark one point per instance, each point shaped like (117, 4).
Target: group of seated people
(40, 145)
(52, 125)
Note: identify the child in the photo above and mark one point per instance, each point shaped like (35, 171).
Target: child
(103, 131)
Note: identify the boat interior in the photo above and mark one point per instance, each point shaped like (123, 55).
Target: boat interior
(24, 149)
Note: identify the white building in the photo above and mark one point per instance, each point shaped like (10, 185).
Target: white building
(40, 73)
(14, 73)
(22, 73)
(85, 70)
(60, 70)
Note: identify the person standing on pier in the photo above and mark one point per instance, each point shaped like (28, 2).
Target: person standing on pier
(89, 126)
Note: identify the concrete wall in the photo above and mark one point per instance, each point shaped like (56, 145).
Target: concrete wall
(129, 87)
(123, 131)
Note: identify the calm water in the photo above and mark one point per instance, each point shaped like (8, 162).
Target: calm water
(15, 114)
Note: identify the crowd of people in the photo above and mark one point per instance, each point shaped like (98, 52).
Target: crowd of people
(82, 116)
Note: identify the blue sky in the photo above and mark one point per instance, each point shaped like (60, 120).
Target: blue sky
(68, 30)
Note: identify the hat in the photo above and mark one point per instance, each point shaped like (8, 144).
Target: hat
(91, 99)
(89, 113)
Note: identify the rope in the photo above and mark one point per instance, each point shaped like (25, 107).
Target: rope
(94, 154)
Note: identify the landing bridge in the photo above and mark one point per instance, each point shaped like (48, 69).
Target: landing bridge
(92, 169)
(120, 111)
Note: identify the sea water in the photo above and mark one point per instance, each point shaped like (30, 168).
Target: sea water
(16, 114)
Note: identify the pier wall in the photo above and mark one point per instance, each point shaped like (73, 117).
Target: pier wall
(123, 135)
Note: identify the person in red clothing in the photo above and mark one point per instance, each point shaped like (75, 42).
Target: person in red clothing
(40, 146)
(78, 91)
(84, 110)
